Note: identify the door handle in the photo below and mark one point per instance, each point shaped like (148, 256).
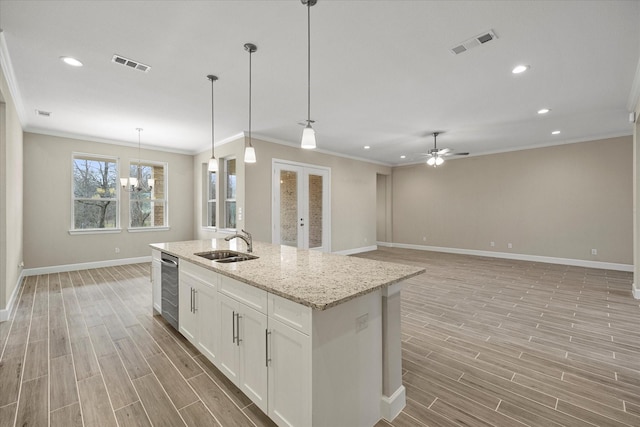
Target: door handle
(238, 329)
(195, 300)
(191, 309)
(267, 359)
(233, 326)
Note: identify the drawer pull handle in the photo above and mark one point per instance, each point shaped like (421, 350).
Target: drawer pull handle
(266, 347)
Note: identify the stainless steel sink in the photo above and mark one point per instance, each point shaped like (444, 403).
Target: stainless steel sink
(225, 256)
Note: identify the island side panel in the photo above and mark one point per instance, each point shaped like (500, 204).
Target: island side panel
(347, 363)
(393, 392)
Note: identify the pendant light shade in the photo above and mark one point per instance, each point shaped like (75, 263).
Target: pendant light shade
(308, 134)
(308, 138)
(213, 162)
(249, 151)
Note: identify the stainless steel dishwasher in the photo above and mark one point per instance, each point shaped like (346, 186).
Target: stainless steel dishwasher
(170, 289)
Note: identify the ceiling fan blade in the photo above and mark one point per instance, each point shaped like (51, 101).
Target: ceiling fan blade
(455, 154)
(443, 151)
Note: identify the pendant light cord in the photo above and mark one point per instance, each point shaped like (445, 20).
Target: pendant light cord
(212, 134)
(308, 62)
(250, 53)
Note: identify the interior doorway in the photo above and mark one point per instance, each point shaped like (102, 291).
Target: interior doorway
(301, 214)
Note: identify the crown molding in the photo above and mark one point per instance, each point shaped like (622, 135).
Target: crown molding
(7, 70)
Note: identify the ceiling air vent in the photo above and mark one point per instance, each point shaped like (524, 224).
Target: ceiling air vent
(130, 63)
(473, 42)
(43, 113)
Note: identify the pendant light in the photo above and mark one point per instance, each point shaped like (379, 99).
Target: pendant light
(213, 162)
(249, 151)
(308, 134)
(135, 184)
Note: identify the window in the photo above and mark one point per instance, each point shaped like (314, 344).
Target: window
(211, 178)
(95, 193)
(148, 209)
(229, 193)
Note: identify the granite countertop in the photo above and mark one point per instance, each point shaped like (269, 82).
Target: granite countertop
(315, 279)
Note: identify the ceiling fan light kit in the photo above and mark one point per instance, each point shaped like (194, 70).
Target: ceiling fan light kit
(436, 156)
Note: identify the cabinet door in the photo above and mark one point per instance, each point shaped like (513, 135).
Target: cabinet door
(156, 284)
(289, 376)
(253, 357)
(207, 314)
(228, 351)
(186, 314)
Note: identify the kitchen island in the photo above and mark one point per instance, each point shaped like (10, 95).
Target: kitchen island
(311, 338)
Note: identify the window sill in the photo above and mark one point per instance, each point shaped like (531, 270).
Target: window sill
(143, 229)
(96, 231)
(227, 230)
(209, 228)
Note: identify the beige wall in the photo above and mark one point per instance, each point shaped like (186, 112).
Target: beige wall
(353, 192)
(381, 209)
(47, 204)
(11, 185)
(557, 202)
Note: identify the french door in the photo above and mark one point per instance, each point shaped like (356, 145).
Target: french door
(301, 206)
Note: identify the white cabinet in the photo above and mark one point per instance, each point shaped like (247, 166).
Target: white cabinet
(243, 335)
(198, 308)
(289, 375)
(156, 280)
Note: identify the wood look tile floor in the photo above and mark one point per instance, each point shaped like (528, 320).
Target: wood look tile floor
(484, 341)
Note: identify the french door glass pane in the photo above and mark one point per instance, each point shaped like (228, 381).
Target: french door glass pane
(289, 208)
(315, 211)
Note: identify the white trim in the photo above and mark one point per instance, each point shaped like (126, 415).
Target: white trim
(143, 229)
(635, 291)
(391, 406)
(96, 231)
(634, 95)
(7, 69)
(356, 250)
(5, 312)
(85, 265)
(521, 257)
(385, 244)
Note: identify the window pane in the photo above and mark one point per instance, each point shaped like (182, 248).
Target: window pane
(231, 179)
(315, 211)
(147, 213)
(230, 210)
(94, 179)
(212, 185)
(94, 214)
(289, 208)
(211, 214)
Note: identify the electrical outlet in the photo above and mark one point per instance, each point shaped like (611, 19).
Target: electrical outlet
(362, 322)
(492, 244)
(509, 245)
(594, 252)
(117, 250)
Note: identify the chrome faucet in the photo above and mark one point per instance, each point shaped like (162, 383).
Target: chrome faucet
(246, 237)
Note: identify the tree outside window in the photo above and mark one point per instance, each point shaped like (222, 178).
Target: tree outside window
(211, 200)
(95, 195)
(230, 193)
(148, 208)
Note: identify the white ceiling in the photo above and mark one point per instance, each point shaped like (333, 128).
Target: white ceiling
(382, 74)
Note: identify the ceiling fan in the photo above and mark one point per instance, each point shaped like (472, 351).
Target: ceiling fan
(435, 156)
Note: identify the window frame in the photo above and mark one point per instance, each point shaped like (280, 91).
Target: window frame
(206, 177)
(164, 200)
(222, 184)
(99, 157)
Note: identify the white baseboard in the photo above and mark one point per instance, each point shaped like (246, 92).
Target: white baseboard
(635, 291)
(391, 406)
(520, 257)
(5, 312)
(85, 265)
(356, 250)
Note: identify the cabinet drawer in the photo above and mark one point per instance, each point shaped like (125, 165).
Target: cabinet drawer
(253, 297)
(201, 274)
(290, 313)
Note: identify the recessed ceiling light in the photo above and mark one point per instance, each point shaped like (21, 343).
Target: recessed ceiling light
(366, 147)
(555, 132)
(403, 157)
(543, 111)
(520, 69)
(71, 61)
